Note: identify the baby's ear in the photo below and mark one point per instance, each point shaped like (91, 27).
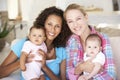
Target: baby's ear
(28, 36)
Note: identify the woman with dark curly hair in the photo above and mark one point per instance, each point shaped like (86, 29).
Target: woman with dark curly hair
(54, 62)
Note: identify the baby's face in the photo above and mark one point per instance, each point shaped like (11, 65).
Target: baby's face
(92, 47)
(37, 36)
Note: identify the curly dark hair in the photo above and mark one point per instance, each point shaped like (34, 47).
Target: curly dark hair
(61, 39)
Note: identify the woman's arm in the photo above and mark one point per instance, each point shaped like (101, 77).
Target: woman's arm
(86, 66)
(9, 65)
(63, 70)
(95, 70)
(108, 71)
(52, 76)
(109, 67)
(42, 77)
(23, 61)
(49, 73)
(9, 59)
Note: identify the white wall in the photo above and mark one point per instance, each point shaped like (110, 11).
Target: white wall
(118, 3)
(105, 4)
(3, 5)
(31, 8)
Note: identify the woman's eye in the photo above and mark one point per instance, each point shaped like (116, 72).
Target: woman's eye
(49, 24)
(58, 26)
(69, 22)
(95, 47)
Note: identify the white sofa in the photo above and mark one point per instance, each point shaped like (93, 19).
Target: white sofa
(115, 43)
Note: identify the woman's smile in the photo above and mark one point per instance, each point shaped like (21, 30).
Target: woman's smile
(53, 26)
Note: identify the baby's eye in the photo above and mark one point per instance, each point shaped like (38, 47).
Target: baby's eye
(40, 35)
(89, 46)
(95, 47)
(34, 35)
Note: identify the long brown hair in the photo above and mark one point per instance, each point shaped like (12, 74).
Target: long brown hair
(61, 39)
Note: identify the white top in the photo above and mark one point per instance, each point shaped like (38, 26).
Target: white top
(100, 58)
(30, 47)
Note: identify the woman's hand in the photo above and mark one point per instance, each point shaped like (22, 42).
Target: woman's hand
(79, 68)
(88, 66)
(30, 57)
(84, 66)
(43, 54)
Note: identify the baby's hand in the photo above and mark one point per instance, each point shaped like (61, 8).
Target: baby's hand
(23, 68)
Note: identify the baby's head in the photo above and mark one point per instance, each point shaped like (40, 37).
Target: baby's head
(93, 44)
(37, 35)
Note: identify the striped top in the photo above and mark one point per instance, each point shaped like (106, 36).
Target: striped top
(75, 54)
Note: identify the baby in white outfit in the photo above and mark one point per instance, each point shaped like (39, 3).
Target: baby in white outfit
(93, 52)
(32, 70)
